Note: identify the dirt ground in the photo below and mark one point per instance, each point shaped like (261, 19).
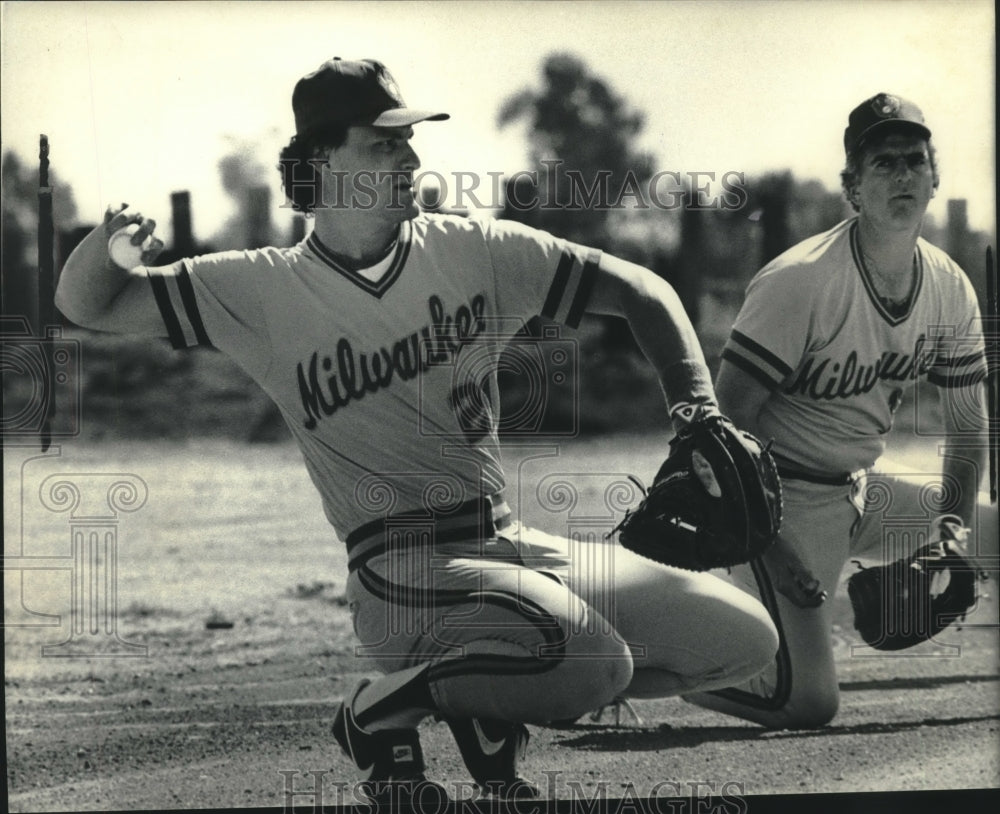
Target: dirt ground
(235, 646)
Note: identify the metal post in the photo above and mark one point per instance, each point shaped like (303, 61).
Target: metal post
(992, 325)
(46, 287)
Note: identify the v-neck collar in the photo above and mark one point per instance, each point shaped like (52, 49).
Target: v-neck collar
(376, 288)
(892, 317)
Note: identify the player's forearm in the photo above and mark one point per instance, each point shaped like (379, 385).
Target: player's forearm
(668, 339)
(90, 282)
(964, 465)
(965, 447)
(661, 327)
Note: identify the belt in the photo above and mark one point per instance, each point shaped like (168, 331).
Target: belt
(479, 518)
(841, 479)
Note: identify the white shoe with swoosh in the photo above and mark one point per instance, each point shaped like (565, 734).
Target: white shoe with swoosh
(491, 751)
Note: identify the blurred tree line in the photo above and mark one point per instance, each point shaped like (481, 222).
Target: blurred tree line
(588, 181)
(706, 246)
(583, 150)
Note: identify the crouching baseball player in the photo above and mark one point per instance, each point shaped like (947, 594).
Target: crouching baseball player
(831, 335)
(378, 338)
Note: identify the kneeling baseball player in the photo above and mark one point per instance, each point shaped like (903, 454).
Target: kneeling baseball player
(378, 338)
(830, 337)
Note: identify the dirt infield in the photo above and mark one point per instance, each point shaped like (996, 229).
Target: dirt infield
(237, 646)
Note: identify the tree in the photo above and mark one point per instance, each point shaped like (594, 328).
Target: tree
(581, 138)
(245, 179)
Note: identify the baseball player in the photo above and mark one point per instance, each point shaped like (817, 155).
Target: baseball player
(377, 337)
(830, 337)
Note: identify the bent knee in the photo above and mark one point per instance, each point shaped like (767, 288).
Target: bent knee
(591, 674)
(757, 649)
(804, 711)
(752, 649)
(810, 710)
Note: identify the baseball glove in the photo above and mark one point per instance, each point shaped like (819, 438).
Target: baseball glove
(908, 601)
(715, 502)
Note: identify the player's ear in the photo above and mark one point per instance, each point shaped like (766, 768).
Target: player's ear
(321, 155)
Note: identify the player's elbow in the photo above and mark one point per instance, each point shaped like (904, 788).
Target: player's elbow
(77, 312)
(70, 309)
(631, 291)
(84, 301)
(66, 306)
(967, 428)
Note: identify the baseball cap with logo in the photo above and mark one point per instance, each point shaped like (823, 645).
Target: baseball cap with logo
(353, 92)
(881, 111)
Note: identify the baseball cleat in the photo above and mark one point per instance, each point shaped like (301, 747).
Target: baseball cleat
(491, 751)
(618, 707)
(391, 759)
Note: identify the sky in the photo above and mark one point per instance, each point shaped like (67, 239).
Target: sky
(142, 99)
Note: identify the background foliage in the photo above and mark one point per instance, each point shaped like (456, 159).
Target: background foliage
(132, 388)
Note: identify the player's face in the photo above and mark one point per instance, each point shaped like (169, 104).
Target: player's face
(372, 171)
(895, 182)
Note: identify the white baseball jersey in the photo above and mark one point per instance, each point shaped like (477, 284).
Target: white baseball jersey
(837, 359)
(386, 377)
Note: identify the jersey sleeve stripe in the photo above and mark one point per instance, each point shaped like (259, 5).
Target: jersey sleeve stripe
(572, 283)
(964, 361)
(588, 277)
(175, 297)
(558, 287)
(763, 354)
(191, 307)
(748, 367)
(968, 379)
(167, 312)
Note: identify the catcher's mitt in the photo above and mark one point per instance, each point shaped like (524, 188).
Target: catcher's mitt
(908, 601)
(714, 503)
